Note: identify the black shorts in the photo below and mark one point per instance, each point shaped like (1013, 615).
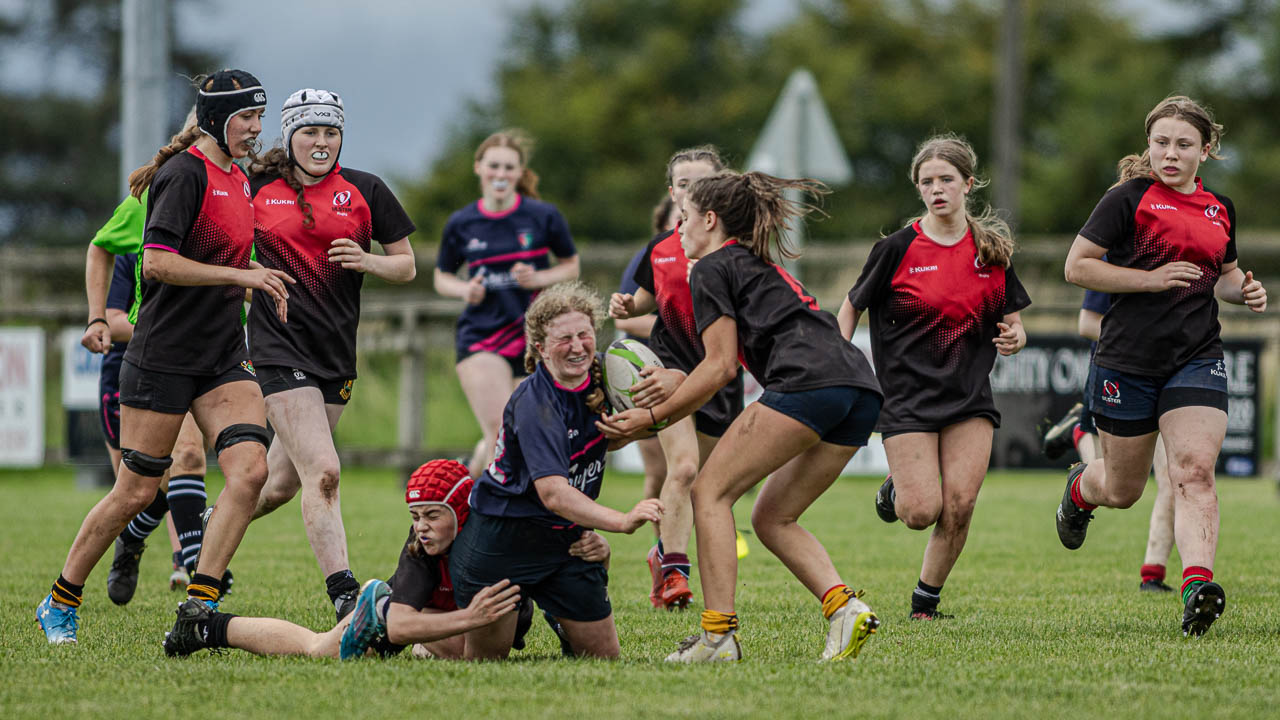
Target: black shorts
(277, 378)
(534, 557)
(109, 395)
(516, 362)
(172, 393)
(1129, 405)
(840, 415)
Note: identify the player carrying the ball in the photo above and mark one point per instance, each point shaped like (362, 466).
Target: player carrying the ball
(820, 405)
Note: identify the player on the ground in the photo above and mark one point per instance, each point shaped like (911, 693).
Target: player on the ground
(538, 496)
(317, 221)
(1158, 369)
(663, 279)
(506, 239)
(944, 299)
(1076, 428)
(820, 405)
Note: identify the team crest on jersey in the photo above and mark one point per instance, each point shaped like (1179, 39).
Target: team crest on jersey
(246, 189)
(984, 271)
(247, 365)
(1211, 211)
(475, 244)
(526, 238)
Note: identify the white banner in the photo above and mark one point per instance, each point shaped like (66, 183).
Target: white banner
(80, 370)
(21, 397)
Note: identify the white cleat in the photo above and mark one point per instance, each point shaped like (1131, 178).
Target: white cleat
(708, 647)
(850, 627)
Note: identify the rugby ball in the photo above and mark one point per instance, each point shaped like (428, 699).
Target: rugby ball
(622, 363)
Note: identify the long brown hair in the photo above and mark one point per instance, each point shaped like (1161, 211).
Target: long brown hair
(1182, 108)
(561, 298)
(140, 179)
(708, 154)
(276, 162)
(754, 208)
(523, 145)
(991, 233)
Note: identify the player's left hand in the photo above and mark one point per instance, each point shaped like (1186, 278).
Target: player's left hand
(1011, 338)
(349, 254)
(1254, 295)
(591, 547)
(525, 275)
(626, 425)
(656, 387)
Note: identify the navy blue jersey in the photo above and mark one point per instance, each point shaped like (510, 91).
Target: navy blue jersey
(547, 430)
(490, 243)
(1095, 301)
(629, 284)
(121, 295)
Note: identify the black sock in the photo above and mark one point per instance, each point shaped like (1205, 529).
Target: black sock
(203, 587)
(925, 597)
(66, 593)
(341, 583)
(186, 502)
(214, 631)
(146, 521)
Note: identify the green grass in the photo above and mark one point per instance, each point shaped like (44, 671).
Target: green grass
(1039, 631)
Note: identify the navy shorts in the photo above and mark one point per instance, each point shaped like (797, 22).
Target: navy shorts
(1129, 405)
(840, 415)
(172, 393)
(109, 394)
(277, 378)
(536, 558)
(1086, 416)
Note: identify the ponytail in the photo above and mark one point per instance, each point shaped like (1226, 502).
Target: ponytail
(140, 179)
(523, 145)
(754, 209)
(1182, 108)
(991, 234)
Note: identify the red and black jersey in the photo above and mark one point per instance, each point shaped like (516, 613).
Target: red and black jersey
(664, 272)
(205, 214)
(421, 580)
(1144, 224)
(934, 310)
(785, 340)
(324, 305)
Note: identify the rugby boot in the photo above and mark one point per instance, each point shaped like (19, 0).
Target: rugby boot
(849, 628)
(675, 593)
(58, 621)
(708, 647)
(1058, 438)
(122, 579)
(1155, 586)
(186, 637)
(366, 625)
(885, 501)
(1073, 522)
(1204, 605)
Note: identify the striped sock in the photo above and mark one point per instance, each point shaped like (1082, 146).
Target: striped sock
(1152, 572)
(1193, 577)
(717, 622)
(1077, 498)
(1076, 435)
(186, 501)
(203, 587)
(66, 592)
(675, 562)
(146, 521)
(925, 597)
(835, 598)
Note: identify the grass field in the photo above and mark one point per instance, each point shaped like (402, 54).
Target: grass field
(1039, 631)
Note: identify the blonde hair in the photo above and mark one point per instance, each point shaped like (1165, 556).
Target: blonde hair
(754, 209)
(523, 145)
(140, 179)
(991, 233)
(1182, 108)
(557, 300)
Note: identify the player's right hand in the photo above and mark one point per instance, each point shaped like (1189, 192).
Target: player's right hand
(274, 283)
(1177, 274)
(621, 305)
(494, 601)
(97, 338)
(647, 510)
(475, 289)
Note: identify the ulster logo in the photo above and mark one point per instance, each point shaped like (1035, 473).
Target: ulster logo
(246, 189)
(1110, 392)
(341, 197)
(1211, 211)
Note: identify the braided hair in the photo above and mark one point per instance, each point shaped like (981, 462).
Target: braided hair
(140, 179)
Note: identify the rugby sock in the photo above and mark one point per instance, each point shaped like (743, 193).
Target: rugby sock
(214, 631)
(1192, 577)
(675, 562)
(1077, 498)
(661, 551)
(1076, 434)
(1152, 572)
(141, 526)
(66, 592)
(719, 623)
(924, 599)
(341, 583)
(186, 502)
(834, 599)
(203, 587)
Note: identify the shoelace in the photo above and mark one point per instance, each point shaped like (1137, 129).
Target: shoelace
(65, 618)
(688, 642)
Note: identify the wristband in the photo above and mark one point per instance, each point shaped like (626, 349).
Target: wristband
(651, 416)
(96, 321)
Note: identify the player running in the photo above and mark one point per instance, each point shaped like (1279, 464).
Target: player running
(506, 239)
(538, 496)
(663, 279)
(316, 221)
(1170, 248)
(820, 405)
(944, 299)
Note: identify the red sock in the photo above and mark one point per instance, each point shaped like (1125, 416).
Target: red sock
(1077, 498)
(1195, 574)
(1076, 434)
(1152, 572)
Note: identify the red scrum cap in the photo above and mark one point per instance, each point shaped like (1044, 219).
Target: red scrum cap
(444, 482)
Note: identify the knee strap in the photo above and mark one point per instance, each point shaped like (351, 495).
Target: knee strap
(143, 464)
(238, 433)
